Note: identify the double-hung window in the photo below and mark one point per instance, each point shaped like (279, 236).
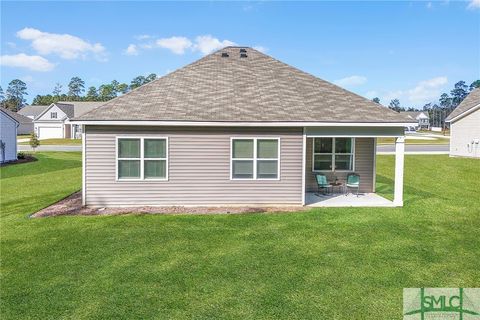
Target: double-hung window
(255, 158)
(53, 115)
(333, 154)
(142, 158)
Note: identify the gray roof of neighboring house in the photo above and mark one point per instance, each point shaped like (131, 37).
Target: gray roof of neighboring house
(253, 88)
(32, 111)
(82, 107)
(471, 101)
(18, 117)
(66, 108)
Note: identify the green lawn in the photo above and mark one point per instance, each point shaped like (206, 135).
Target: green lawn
(57, 142)
(23, 136)
(326, 263)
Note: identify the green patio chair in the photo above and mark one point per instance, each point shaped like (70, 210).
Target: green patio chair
(353, 181)
(322, 183)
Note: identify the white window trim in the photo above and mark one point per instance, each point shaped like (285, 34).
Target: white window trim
(333, 155)
(255, 159)
(142, 158)
(53, 113)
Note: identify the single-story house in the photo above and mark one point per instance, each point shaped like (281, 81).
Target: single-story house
(25, 124)
(465, 127)
(422, 119)
(236, 127)
(8, 136)
(54, 120)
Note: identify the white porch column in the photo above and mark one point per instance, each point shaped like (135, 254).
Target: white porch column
(399, 164)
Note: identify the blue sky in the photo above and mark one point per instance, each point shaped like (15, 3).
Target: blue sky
(408, 50)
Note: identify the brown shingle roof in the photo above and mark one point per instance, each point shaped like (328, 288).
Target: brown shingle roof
(255, 88)
(472, 100)
(18, 117)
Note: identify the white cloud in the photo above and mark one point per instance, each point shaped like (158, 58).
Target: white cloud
(64, 45)
(143, 37)
(261, 49)
(131, 50)
(206, 44)
(351, 81)
(21, 60)
(474, 4)
(177, 45)
(424, 92)
(371, 94)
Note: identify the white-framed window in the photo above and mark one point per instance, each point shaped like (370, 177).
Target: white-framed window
(255, 158)
(333, 154)
(53, 115)
(142, 158)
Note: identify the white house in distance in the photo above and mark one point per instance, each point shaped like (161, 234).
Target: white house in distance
(54, 121)
(465, 127)
(423, 122)
(8, 136)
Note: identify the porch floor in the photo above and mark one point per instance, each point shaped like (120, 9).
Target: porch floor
(350, 200)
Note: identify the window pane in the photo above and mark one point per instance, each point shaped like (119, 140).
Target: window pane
(343, 162)
(267, 149)
(242, 169)
(128, 169)
(129, 148)
(155, 169)
(267, 169)
(322, 145)
(155, 148)
(343, 145)
(322, 162)
(243, 148)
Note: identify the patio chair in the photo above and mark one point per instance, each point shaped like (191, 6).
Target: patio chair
(322, 183)
(353, 181)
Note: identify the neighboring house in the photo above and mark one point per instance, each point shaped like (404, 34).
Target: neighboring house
(25, 124)
(8, 136)
(236, 127)
(31, 111)
(465, 127)
(423, 122)
(54, 121)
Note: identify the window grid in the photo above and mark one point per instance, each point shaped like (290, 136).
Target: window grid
(254, 159)
(142, 159)
(333, 154)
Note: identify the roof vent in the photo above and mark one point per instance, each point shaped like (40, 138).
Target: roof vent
(243, 55)
(224, 55)
(243, 50)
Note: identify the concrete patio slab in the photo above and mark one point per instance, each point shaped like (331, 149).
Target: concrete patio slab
(350, 200)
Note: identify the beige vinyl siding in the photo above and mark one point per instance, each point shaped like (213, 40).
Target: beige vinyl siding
(364, 165)
(462, 133)
(199, 169)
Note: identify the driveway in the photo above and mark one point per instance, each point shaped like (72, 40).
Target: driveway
(415, 149)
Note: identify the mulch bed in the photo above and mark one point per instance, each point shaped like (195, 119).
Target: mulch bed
(27, 158)
(72, 205)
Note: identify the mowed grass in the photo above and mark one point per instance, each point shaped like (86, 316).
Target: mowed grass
(345, 263)
(47, 142)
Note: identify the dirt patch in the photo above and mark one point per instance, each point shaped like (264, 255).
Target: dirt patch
(72, 205)
(25, 159)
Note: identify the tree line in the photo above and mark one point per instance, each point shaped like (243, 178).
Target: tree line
(438, 111)
(14, 97)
